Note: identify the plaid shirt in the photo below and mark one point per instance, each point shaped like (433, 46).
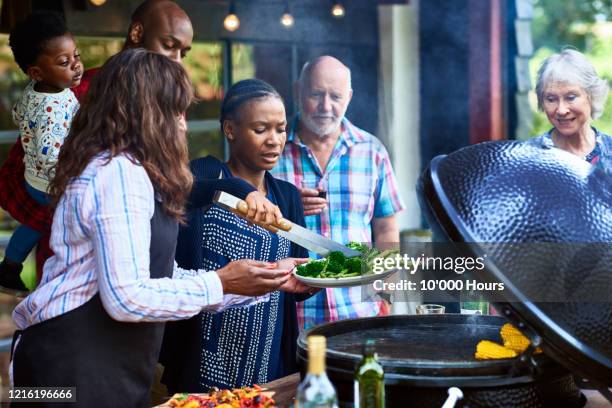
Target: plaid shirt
(15, 199)
(13, 196)
(360, 186)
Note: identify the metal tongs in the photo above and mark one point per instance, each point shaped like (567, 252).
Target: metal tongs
(285, 228)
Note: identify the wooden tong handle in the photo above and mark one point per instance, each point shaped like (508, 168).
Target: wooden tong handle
(283, 224)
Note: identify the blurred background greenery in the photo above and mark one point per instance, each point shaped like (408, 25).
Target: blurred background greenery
(585, 25)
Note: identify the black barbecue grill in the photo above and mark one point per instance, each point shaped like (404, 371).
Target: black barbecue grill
(544, 219)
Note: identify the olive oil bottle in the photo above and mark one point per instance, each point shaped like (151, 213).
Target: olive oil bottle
(369, 379)
(316, 391)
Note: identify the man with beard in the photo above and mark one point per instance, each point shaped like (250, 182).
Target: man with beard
(347, 183)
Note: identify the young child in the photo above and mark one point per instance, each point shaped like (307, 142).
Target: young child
(45, 51)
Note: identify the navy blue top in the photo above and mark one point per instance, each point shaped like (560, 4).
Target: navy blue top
(239, 346)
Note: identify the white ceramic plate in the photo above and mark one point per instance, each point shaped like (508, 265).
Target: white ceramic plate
(342, 282)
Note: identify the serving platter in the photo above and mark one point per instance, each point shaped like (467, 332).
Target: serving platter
(170, 404)
(343, 282)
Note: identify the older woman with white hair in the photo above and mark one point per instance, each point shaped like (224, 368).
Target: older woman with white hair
(572, 94)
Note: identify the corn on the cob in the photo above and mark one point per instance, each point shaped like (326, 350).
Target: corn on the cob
(514, 339)
(488, 350)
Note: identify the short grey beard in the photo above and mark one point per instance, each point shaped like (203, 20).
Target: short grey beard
(321, 131)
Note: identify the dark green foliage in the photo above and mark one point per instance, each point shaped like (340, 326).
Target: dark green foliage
(560, 23)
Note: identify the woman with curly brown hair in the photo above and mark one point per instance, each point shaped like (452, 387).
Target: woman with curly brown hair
(121, 185)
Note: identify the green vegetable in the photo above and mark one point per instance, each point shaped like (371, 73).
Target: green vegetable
(302, 271)
(353, 265)
(337, 257)
(336, 265)
(314, 268)
(357, 246)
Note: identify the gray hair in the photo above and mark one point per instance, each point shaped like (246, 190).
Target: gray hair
(309, 65)
(572, 67)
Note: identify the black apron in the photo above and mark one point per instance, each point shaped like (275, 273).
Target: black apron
(110, 363)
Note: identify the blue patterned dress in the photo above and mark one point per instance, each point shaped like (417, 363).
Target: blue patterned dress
(239, 346)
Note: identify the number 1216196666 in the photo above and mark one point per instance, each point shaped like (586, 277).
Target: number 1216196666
(42, 394)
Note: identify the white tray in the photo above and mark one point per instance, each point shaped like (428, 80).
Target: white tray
(342, 282)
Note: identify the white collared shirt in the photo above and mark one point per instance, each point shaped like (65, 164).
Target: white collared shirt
(101, 235)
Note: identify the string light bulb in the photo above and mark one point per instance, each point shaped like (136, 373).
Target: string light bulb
(287, 19)
(231, 22)
(337, 10)
(97, 3)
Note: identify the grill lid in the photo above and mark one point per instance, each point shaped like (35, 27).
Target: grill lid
(544, 219)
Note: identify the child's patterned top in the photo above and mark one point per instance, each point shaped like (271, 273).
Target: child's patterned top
(44, 121)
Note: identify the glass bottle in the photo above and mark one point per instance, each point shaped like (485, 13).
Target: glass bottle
(316, 391)
(473, 303)
(369, 379)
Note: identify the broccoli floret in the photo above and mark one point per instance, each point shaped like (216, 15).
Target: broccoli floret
(314, 268)
(336, 264)
(337, 257)
(301, 270)
(357, 246)
(353, 264)
(333, 266)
